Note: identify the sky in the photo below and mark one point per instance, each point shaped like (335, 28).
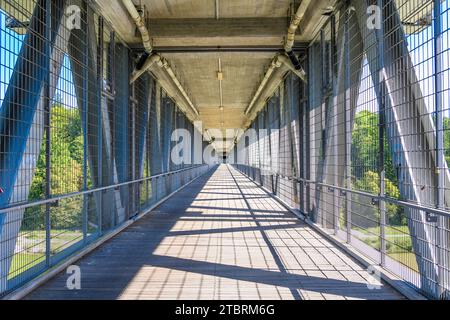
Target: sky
(421, 47)
(10, 46)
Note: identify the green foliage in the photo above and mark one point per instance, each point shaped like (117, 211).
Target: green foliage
(401, 244)
(365, 151)
(370, 184)
(447, 139)
(67, 215)
(365, 147)
(394, 244)
(67, 168)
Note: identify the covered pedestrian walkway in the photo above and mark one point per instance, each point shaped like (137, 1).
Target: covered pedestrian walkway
(222, 238)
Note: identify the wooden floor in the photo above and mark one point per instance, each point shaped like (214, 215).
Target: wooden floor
(220, 238)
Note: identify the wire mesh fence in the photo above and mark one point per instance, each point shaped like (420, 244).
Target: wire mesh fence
(367, 158)
(362, 149)
(81, 150)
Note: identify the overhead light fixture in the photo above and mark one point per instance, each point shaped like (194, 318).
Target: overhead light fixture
(217, 10)
(220, 78)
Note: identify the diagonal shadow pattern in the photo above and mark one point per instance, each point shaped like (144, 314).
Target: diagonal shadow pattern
(183, 250)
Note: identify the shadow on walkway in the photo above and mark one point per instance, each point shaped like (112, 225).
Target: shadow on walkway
(241, 245)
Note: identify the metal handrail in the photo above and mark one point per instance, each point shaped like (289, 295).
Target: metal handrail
(407, 204)
(85, 192)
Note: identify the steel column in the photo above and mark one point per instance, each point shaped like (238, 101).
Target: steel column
(441, 168)
(381, 139)
(406, 113)
(22, 115)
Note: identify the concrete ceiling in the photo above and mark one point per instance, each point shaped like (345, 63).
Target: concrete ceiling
(241, 72)
(169, 9)
(180, 28)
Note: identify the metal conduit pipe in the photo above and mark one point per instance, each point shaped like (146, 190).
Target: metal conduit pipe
(290, 38)
(140, 23)
(147, 60)
(291, 61)
(277, 62)
(298, 71)
(272, 85)
(162, 63)
(154, 58)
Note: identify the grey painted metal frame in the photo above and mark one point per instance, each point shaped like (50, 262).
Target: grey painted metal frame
(402, 124)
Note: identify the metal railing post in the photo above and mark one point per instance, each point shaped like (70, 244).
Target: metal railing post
(440, 160)
(307, 145)
(100, 123)
(348, 128)
(135, 198)
(333, 72)
(381, 137)
(301, 146)
(47, 127)
(85, 121)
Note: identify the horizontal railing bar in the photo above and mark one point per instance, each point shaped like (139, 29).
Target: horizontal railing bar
(387, 199)
(85, 192)
(410, 205)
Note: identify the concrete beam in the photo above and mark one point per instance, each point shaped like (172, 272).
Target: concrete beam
(223, 28)
(224, 32)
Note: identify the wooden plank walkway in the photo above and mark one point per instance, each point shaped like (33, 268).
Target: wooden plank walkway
(220, 238)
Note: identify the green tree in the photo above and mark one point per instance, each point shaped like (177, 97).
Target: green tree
(365, 153)
(66, 167)
(365, 146)
(370, 183)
